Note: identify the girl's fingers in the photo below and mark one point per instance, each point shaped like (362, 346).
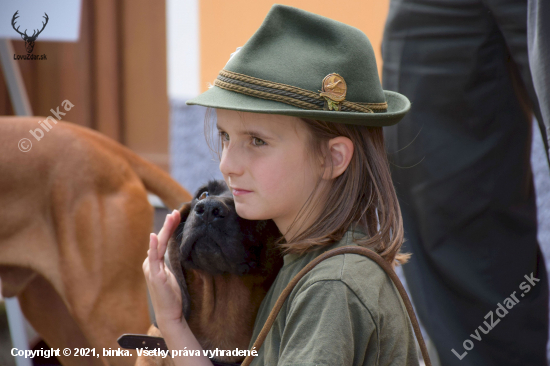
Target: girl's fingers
(145, 265)
(154, 261)
(163, 233)
(170, 225)
(163, 288)
(158, 244)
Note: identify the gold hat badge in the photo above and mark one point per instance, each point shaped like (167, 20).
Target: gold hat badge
(334, 91)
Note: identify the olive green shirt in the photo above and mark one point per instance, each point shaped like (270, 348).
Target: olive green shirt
(346, 311)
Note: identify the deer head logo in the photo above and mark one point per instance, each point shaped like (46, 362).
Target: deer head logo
(29, 40)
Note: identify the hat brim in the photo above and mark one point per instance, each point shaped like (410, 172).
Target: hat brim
(216, 97)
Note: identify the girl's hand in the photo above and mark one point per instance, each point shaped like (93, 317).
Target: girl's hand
(163, 287)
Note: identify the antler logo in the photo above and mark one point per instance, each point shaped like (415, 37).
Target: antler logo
(29, 40)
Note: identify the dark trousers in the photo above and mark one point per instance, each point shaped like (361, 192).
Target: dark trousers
(460, 163)
(538, 40)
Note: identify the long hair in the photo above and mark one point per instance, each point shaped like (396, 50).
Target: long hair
(362, 194)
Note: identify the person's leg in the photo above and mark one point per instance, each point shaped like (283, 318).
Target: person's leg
(511, 18)
(538, 31)
(460, 164)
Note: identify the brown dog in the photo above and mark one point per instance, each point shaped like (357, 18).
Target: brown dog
(224, 265)
(74, 232)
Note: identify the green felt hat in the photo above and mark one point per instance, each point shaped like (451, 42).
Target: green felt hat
(305, 65)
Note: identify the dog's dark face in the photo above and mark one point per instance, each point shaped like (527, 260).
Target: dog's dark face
(212, 237)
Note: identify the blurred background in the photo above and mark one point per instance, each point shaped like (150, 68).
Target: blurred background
(135, 63)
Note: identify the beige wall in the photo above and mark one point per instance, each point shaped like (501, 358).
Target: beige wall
(226, 25)
(144, 85)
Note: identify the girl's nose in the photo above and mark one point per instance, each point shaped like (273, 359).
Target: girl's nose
(229, 163)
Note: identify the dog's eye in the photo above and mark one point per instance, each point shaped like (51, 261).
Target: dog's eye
(203, 195)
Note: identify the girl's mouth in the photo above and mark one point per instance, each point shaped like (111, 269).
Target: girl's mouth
(239, 192)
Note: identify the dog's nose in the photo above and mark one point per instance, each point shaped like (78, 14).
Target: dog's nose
(210, 210)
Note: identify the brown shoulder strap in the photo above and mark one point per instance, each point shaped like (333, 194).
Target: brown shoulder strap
(347, 249)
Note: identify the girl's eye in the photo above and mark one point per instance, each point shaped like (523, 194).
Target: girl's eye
(224, 135)
(258, 142)
(255, 140)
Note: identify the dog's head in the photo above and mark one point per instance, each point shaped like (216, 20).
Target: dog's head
(212, 237)
(212, 243)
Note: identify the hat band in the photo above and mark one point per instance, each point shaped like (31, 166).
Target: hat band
(288, 94)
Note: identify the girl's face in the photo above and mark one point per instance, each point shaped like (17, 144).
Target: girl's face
(264, 163)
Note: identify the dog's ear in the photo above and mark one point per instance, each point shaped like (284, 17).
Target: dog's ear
(184, 210)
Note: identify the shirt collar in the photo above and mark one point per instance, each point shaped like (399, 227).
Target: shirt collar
(354, 231)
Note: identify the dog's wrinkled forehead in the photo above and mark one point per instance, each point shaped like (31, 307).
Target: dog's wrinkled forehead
(214, 188)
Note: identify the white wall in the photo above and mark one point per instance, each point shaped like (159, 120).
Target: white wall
(182, 22)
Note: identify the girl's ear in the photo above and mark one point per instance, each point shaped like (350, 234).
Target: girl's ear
(341, 152)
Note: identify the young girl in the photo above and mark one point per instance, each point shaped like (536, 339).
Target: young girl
(314, 162)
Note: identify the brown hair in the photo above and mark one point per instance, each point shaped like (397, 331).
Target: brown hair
(363, 194)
